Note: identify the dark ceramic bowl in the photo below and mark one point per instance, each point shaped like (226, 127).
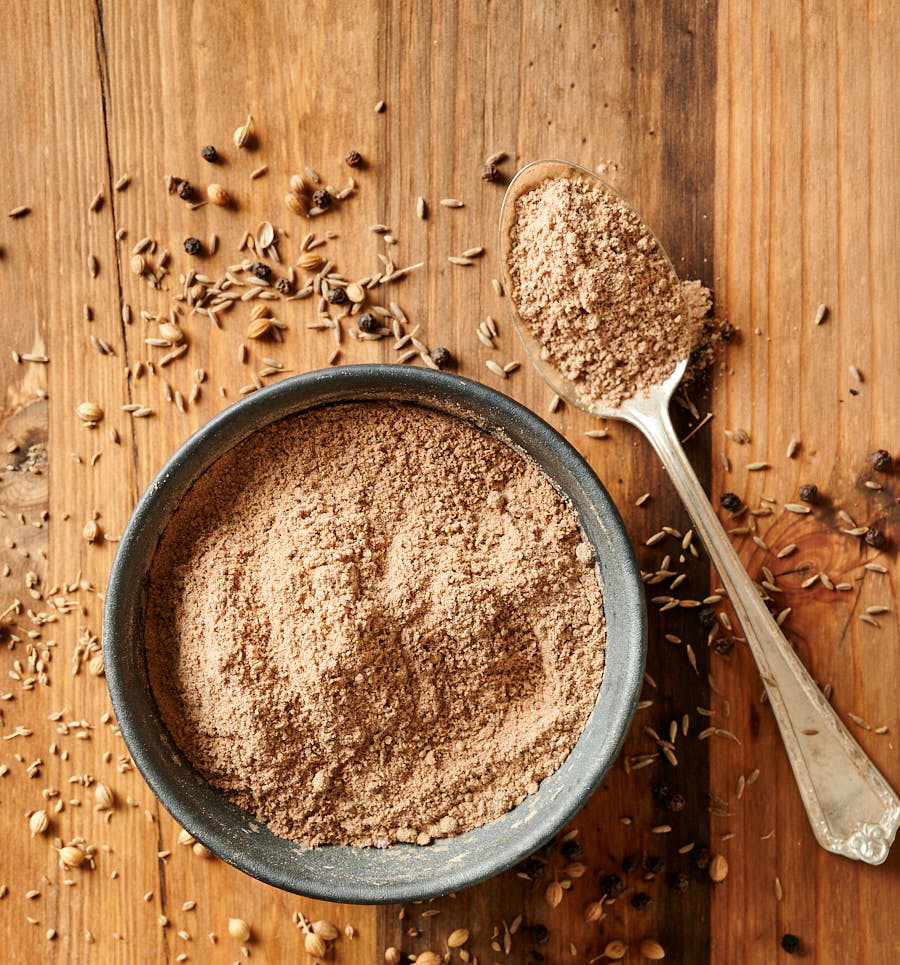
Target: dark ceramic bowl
(402, 872)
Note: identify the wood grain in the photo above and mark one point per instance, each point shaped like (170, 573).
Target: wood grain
(760, 143)
(805, 178)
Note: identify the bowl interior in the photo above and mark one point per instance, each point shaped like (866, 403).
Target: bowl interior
(401, 872)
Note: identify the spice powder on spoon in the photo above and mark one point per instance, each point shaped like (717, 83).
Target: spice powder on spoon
(593, 286)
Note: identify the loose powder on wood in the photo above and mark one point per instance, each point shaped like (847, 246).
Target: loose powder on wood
(596, 291)
(373, 623)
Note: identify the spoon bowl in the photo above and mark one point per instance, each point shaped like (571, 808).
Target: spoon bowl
(526, 179)
(851, 808)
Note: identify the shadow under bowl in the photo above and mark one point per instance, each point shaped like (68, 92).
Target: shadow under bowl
(402, 872)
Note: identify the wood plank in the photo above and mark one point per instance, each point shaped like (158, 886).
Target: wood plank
(791, 192)
(802, 156)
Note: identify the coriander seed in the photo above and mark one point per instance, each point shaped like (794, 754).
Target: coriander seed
(239, 929)
(489, 172)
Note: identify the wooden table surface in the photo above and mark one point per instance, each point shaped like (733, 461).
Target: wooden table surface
(761, 143)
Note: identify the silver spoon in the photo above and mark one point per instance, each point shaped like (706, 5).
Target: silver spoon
(852, 809)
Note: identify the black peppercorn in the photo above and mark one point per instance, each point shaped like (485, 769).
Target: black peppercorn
(337, 296)
(572, 851)
(675, 802)
(611, 886)
(700, 857)
(489, 172)
(808, 492)
(261, 270)
(641, 900)
(193, 246)
(654, 866)
(723, 646)
(707, 617)
(678, 881)
(660, 789)
(629, 864)
(367, 322)
(541, 934)
(440, 355)
(353, 159)
(875, 537)
(209, 153)
(185, 190)
(283, 286)
(790, 943)
(881, 460)
(731, 502)
(321, 198)
(727, 331)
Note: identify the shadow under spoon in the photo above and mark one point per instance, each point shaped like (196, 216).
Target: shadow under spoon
(852, 809)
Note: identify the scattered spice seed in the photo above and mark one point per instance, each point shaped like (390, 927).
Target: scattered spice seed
(38, 822)
(96, 202)
(881, 460)
(808, 492)
(218, 196)
(798, 507)
(718, 868)
(458, 938)
(615, 950)
(553, 894)
(239, 929)
(731, 502)
(20, 211)
(441, 356)
(259, 172)
(495, 368)
(451, 203)
(242, 133)
(855, 372)
(652, 950)
(757, 466)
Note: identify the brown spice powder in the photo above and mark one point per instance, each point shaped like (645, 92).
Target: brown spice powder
(373, 623)
(598, 294)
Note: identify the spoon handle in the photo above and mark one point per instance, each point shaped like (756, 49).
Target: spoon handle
(852, 809)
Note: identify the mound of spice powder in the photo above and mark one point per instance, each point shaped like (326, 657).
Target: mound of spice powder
(373, 623)
(596, 291)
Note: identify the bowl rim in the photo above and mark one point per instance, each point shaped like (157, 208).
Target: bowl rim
(276, 398)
